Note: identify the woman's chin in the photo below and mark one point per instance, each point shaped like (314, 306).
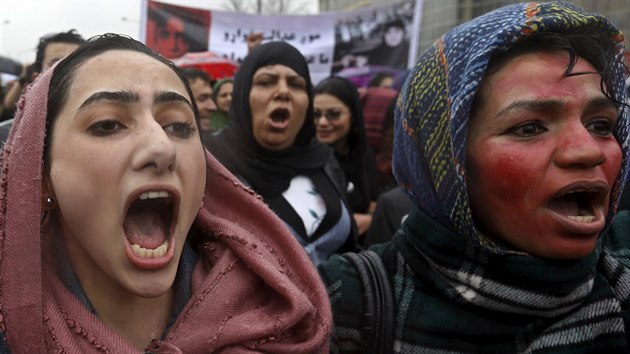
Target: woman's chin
(153, 287)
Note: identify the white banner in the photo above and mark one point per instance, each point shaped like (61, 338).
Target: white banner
(354, 44)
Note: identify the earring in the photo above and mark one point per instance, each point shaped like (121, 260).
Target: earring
(46, 212)
(50, 201)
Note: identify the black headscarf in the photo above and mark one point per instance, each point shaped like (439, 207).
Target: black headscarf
(268, 172)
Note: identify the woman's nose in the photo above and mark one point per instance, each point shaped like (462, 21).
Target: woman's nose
(321, 120)
(282, 90)
(154, 149)
(579, 148)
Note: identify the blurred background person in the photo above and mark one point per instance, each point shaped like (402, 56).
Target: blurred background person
(222, 96)
(50, 49)
(383, 156)
(392, 207)
(339, 123)
(378, 104)
(382, 79)
(201, 85)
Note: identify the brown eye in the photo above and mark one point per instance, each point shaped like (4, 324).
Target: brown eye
(528, 129)
(105, 127)
(297, 83)
(600, 127)
(180, 129)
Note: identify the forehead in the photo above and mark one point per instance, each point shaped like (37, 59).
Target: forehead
(540, 75)
(326, 99)
(197, 85)
(128, 70)
(175, 24)
(226, 87)
(57, 50)
(276, 69)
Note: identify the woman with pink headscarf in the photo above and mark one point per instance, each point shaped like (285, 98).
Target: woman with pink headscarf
(120, 233)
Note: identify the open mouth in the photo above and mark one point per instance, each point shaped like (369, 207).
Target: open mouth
(583, 205)
(280, 115)
(147, 224)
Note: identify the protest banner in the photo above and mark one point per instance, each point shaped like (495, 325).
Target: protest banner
(354, 44)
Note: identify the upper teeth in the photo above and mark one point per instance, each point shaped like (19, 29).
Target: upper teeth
(154, 195)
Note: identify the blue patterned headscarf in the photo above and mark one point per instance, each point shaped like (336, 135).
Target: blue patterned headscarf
(435, 102)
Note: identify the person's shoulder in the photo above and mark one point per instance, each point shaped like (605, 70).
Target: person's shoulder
(394, 196)
(346, 293)
(339, 271)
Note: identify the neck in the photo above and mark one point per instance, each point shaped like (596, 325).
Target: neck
(138, 320)
(135, 318)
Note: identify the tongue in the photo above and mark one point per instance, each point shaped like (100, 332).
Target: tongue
(279, 122)
(564, 206)
(146, 229)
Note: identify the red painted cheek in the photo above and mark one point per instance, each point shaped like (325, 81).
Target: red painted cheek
(508, 174)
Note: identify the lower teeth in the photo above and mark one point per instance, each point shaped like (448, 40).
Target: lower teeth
(148, 252)
(588, 218)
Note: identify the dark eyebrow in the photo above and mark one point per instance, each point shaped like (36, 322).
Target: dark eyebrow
(170, 96)
(531, 105)
(114, 96)
(601, 103)
(275, 75)
(553, 105)
(127, 97)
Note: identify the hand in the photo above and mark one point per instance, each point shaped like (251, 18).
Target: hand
(363, 222)
(347, 60)
(253, 40)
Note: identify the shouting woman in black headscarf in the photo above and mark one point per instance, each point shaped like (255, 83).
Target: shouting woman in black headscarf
(270, 145)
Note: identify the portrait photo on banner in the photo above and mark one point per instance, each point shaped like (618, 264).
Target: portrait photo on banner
(373, 40)
(176, 30)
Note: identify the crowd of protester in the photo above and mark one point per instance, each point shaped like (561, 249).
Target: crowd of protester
(478, 207)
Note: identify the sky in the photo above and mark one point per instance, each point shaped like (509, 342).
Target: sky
(23, 22)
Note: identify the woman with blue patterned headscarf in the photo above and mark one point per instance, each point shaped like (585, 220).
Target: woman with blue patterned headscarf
(512, 141)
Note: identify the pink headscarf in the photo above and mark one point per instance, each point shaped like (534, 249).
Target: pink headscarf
(253, 287)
